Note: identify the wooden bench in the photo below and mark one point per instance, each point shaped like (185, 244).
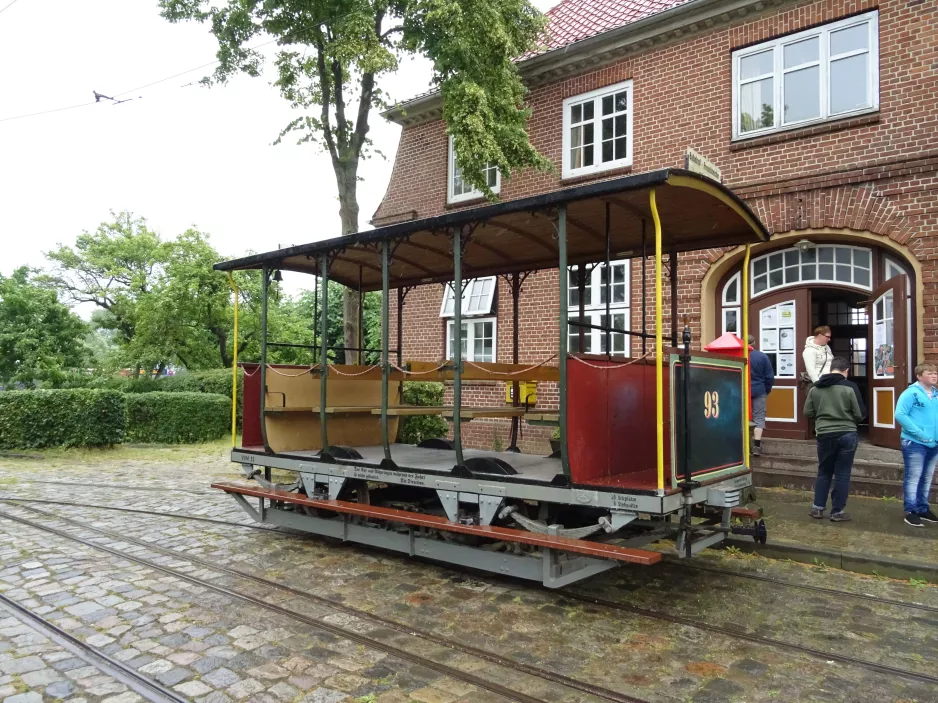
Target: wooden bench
(543, 419)
(483, 371)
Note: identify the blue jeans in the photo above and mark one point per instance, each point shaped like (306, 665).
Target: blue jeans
(919, 463)
(835, 462)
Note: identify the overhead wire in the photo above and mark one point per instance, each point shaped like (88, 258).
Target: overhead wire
(117, 95)
(7, 7)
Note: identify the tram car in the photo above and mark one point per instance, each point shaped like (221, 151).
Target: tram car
(652, 448)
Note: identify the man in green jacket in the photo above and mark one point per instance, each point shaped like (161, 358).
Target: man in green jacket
(836, 406)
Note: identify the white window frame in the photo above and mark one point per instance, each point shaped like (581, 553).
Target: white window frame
(470, 338)
(732, 305)
(871, 19)
(474, 290)
(816, 280)
(451, 196)
(596, 97)
(596, 310)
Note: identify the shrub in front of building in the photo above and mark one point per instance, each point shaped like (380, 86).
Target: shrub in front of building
(79, 417)
(177, 418)
(414, 430)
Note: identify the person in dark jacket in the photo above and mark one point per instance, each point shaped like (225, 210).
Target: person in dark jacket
(761, 378)
(837, 408)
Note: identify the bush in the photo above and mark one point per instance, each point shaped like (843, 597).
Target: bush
(217, 381)
(177, 418)
(61, 418)
(414, 430)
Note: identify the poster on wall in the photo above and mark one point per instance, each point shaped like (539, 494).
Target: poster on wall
(769, 340)
(786, 314)
(768, 317)
(786, 365)
(786, 339)
(883, 352)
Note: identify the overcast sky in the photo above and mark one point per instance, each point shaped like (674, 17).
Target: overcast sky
(179, 156)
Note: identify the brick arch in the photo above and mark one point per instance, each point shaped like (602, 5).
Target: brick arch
(862, 207)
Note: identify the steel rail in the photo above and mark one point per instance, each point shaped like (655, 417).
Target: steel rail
(666, 562)
(599, 692)
(120, 487)
(127, 675)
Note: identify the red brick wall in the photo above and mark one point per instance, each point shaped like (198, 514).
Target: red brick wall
(875, 173)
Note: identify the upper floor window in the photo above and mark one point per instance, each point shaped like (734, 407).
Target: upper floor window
(824, 73)
(459, 190)
(597, 130)
(477, 297)
(594, 309)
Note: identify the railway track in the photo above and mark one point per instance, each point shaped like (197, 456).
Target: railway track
(120, 487)
(508, 663)
(879, 600)
(568, 594)
(143, 685)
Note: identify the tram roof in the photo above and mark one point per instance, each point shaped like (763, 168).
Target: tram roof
(519, 235)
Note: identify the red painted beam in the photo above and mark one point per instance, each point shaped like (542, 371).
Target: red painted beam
(505, 534)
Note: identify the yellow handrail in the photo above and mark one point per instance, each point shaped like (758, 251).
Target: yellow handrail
(746, 399)
(659, 346)
(234, 365)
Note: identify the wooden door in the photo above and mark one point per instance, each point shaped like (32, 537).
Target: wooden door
(780, 323)
(888, 373)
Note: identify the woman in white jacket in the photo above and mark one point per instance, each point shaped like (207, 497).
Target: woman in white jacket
(817, 353)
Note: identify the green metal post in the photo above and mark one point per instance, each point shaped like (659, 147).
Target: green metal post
(562, 417)
(323, 358)
(265, 285)
(457, 343)
(385, 343)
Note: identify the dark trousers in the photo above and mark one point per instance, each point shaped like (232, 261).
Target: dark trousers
(835, 462)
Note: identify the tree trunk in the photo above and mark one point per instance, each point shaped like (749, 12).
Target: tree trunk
(347, 179)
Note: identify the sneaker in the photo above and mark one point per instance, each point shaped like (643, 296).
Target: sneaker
(913, 519)
(928, 516)
(817, 513)
(755, 450)
(840, 517)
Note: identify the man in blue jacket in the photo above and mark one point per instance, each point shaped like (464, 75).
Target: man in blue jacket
(917, 413)
(761, 378)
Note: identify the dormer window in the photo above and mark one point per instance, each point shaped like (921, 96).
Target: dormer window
(597, 130)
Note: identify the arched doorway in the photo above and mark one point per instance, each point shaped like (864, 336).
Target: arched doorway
(862, 292)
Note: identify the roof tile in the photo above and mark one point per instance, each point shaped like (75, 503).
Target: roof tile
(573, 20)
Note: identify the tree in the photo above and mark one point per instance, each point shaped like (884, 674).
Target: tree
(162, 298)
(40, 338)
(333, 53)
(112, 268)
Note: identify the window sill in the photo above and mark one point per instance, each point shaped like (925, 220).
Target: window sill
(802, 132)
(480, 200)
(596, 175)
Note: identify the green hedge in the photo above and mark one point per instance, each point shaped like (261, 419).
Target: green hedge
(77, 417)
(177, 418)
(217, 381)
(414, 430)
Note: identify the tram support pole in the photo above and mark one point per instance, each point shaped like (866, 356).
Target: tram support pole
(360, 354)
(659, 348)
(746, 399)
(515, 282)
(608, 292)
(672, 268)
(323, 358)
(385, 342)
(457, 344)
(265, 285)
(564, 331)
(234, 364)
(644, 290)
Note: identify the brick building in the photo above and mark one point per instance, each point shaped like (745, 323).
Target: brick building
(821, 115)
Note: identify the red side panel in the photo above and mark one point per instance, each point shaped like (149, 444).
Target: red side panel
(611, 423)
(251, 419)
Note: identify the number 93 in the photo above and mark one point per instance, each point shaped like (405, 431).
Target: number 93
(711, 405)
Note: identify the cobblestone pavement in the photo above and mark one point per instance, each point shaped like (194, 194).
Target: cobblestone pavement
(210, 647)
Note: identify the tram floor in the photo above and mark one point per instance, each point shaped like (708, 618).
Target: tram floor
(209, 647)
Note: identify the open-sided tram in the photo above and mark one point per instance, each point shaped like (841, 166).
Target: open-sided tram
(653, 447)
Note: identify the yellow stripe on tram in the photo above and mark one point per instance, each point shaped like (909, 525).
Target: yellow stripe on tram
(659, 346)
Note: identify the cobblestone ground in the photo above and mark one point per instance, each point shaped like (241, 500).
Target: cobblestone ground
(213, 648)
